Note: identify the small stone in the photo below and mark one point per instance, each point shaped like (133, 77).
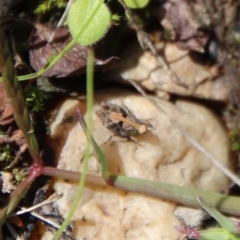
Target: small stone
(192, 218)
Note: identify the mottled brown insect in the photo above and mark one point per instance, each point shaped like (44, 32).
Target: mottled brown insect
(121, 122)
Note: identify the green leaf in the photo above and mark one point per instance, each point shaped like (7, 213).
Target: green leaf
(116, 19)
(97, 151)
(79, 14)
(223, 221)
(48, 5)
(136, 3)
(218, 234)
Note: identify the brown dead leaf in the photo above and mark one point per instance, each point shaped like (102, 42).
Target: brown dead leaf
(188, 23)
(6, 111)
(74, 61)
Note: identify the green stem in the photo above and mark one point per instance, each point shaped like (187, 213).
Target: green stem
(183, 195)
(90, 64)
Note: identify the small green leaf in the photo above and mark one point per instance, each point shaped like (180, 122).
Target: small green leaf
(136, 3)
(218, 234)
(223, 221)
(79, 14)
(47, 5)
(116, 19)
(97, 151)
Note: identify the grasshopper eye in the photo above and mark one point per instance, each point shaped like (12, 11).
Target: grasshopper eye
(142, 129)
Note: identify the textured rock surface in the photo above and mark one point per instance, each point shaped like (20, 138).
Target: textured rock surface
(162, 154)
(195, 79)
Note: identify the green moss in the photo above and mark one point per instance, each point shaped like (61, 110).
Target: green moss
(235, 139)
(47, 5)
(6, 154)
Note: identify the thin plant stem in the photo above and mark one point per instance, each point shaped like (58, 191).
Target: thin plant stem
(74, 176)
(90, 66)
(183, 195)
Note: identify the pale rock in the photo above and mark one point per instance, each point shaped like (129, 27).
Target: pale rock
(191, 217)
(194, 79)
(6, 181)
(161, 154)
